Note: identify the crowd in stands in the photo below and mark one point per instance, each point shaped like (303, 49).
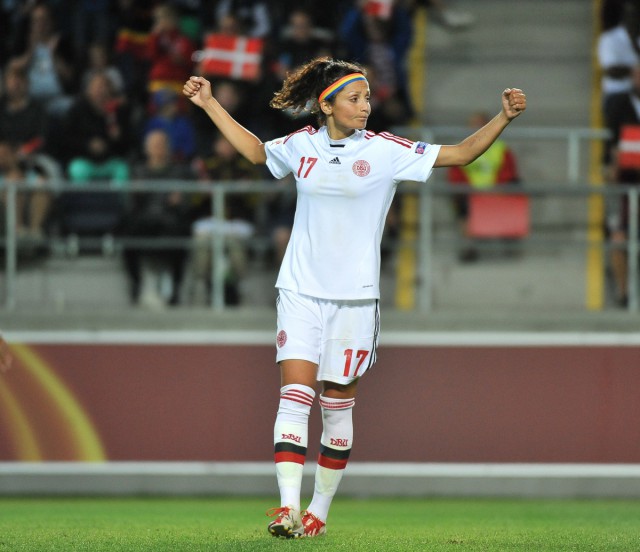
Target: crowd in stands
(619, 61)
(91, 93)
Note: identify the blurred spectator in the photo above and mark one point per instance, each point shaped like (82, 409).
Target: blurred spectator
(325, 15)
(381, 40)
(23, 121)
(47, 57)
(387, 109)
(622, 116)
(9, 23)
(157, 215)
(224, 164)
(610, 13)
(169, 51)
(231, 96)
(99, 61)
(253, 16)
(93, 22)
(619, 51)
(33, 203)
(171, 116)
(497, 166)
(229, 54)
(97, 134)
(133, 26)
(282, 209)
(449, 17)
(299, 42)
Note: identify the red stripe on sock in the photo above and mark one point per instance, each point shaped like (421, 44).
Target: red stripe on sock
(289, 457)
(332, 463)
(342, 405)
(298, 396)
(306, 403)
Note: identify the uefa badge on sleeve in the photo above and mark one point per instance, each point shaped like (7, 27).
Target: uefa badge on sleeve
(420, 148)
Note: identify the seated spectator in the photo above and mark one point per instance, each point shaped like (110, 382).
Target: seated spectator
(619, 51)
(325, 15)
(99, 61)
(387, 108)
(47, 58)
(299, 42)
(622, 115)
(497, 166)
(157, 215)
(133, 21)
(93, 23)
(253, 16)
(23, 121)
(381, 40)
(32, 202)
(224, 164)
(172, 115)
(97, 134)
(231, 96)
(169, 51)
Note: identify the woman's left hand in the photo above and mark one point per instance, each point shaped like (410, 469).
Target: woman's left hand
(514, 102)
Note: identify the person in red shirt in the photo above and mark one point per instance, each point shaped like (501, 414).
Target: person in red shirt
(497, 166)
(169, 51)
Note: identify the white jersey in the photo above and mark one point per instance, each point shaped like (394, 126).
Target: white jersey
(344, 191)
(616, 48)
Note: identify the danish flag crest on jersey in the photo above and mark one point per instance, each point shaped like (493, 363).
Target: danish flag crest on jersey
(361, 168)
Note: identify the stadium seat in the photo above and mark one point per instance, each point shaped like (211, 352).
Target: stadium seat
(498, 216)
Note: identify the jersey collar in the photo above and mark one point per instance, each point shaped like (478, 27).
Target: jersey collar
(339, 146)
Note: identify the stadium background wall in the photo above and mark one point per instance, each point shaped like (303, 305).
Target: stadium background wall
(172, 402)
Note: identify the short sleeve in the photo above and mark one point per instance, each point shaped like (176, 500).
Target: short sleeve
(278, 157)
(414, 162)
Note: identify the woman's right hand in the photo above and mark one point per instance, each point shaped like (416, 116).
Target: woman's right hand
(198, 90)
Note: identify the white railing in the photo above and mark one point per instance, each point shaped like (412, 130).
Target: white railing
(424, 246)
(572, 137)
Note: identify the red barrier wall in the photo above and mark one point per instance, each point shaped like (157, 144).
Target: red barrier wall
(420, 404)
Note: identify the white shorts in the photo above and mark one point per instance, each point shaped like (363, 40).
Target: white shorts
(341, 337)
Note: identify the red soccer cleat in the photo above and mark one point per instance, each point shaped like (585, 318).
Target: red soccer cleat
(287, 523)
(312, 525)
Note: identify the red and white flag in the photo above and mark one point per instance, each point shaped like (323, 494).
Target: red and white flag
(233, 56)
(379, 8)
(629, 147)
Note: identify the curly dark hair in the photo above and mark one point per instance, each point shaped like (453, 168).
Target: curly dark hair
(302, 87)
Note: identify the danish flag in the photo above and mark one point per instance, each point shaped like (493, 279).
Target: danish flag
(379, 8)
(234, 56)
(629, 147)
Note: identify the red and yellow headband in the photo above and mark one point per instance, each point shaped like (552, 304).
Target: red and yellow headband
(339, 85)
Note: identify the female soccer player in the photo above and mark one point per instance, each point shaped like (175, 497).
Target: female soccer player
(327, 307)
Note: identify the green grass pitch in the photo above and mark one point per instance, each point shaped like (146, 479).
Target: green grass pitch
(239, 524)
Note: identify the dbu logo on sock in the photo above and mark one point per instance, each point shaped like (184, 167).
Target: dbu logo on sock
(340, 442)
(291, 437)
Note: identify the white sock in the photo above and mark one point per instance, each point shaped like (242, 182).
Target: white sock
(290, 440)
(335, 446)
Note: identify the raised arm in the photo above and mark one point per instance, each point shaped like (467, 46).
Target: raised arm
(514, 102)
(198, 90)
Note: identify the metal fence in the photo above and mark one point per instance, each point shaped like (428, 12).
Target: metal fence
(573, 186)
(428, 237)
